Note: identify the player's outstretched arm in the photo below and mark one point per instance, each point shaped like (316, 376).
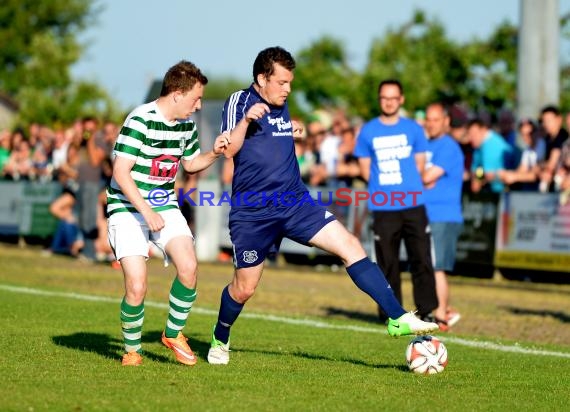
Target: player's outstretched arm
(204, 160)
(238, 133)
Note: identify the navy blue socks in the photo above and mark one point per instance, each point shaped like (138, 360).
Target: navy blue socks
(364, 273)
(229, 312)
(370, 279)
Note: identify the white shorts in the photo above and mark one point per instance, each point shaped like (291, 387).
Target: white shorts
(129, 234)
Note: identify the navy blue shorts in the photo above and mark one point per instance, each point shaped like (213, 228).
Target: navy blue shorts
(256, 233)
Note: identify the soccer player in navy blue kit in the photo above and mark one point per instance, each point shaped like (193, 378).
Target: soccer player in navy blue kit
(269, 202)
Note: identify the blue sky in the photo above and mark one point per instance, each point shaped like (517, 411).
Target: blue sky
(135, 42)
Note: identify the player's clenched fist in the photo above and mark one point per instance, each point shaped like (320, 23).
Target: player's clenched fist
(256, 112)
(222, 142)
(154, 221)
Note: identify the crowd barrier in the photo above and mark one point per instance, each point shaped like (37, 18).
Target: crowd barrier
(513, 232)
(24, 208)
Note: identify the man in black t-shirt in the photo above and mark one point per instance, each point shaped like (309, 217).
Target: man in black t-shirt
(556, 135)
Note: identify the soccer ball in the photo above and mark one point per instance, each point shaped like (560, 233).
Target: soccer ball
(426, 355)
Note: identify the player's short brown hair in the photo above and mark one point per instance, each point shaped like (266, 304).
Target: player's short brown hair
(182, 77)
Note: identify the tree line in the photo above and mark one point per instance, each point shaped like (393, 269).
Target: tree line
(40, 44)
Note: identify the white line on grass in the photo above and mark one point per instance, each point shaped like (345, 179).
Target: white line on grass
(290, 321)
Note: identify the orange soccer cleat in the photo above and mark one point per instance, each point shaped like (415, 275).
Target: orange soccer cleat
(180, 348)
(132, 359)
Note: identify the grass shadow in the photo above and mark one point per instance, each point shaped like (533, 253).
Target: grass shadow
(199, 347)
(105, 345)
(99, 343)
(352, 315)
(558, 315)
(312, 356)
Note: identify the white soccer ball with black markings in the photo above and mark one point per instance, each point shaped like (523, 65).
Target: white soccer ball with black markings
(426, 355)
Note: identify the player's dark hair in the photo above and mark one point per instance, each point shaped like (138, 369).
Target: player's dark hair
(182, 77)
(391, 82)
(264, 61)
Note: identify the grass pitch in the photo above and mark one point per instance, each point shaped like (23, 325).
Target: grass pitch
(61, 345)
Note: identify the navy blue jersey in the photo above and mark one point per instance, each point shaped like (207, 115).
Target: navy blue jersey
(266, 163)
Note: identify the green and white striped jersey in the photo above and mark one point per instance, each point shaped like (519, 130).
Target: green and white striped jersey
(156, 145)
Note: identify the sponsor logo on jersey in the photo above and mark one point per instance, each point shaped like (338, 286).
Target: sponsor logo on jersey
(164, 168)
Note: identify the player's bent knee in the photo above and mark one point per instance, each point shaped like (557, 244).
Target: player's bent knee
(243, 293)
(188, 281)
(187, 271)
(352, 248)
(354, 242)
(136, 294)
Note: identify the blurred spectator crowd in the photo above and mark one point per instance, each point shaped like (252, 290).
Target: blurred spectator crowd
(45, 154)
(79, 158)
(502, 153)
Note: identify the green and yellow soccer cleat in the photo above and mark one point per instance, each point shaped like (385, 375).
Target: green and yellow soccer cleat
(409, 324)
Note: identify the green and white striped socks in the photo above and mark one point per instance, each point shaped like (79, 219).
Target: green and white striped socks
(181, 300)
(132, 318)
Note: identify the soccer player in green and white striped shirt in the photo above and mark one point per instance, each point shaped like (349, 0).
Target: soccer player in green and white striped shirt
(156, 138)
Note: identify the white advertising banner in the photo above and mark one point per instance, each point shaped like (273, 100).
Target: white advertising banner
(533, 232)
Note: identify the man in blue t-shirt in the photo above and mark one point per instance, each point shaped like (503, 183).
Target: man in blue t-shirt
(391, 151)
(443, 180)
(270, 202)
